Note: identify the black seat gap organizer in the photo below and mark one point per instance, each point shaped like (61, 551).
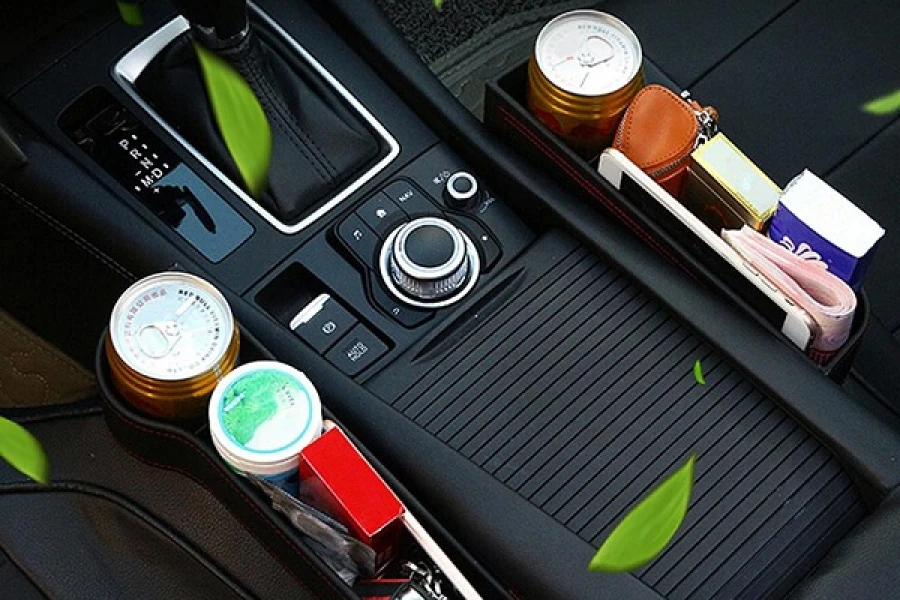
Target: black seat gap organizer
(189, 450)
(506, 114)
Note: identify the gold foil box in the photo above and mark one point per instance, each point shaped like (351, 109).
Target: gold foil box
(720, 174)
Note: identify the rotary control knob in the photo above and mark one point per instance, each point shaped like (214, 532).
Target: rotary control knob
(429, 263)
(462, 191)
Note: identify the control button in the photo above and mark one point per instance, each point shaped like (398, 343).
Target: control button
(322, 323)
(428, 259)
(410, 199)
(461, 191)
(356, 351)
(407, 316)
(484, 241)
(357, 236)
(381, 214)
(429, 263)
(431, 246)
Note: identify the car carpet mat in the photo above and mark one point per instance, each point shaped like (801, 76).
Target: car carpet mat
(467, 42)
(35, 373)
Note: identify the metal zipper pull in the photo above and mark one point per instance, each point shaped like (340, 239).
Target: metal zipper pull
(707, 117)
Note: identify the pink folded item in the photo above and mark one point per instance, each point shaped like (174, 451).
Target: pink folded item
(804, 280)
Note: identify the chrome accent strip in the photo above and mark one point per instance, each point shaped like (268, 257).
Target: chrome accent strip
(126, 71)
(309, 311)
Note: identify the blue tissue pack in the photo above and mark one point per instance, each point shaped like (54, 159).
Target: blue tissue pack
(816, 222)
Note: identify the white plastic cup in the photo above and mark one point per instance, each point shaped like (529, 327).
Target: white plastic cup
(261, 415)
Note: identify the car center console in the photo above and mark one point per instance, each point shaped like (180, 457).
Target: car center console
(397, 260)
(333, 274)
(503, 351)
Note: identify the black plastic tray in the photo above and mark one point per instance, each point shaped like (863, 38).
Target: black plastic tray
(507, 116)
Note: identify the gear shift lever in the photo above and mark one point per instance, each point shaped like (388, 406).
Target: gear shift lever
(217, 24)
(318, 142)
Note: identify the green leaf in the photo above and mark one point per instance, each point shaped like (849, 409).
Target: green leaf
(698, 373)
(22, 450)
(648, 526)
(240, 119)
(439, 4)
(130, 13)
(885, 105)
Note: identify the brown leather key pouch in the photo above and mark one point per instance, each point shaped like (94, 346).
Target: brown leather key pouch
(658, 133)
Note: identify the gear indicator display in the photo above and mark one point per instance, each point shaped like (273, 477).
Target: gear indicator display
(141, 163)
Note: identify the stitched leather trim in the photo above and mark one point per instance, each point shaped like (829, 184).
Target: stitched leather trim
(76, 239)
(278, 112)
(218, 468)
(34, 373)
(124, 503)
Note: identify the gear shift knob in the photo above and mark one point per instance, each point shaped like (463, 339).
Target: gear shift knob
(217, 24)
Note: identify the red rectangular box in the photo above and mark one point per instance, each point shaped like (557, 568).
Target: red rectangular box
(352, 492)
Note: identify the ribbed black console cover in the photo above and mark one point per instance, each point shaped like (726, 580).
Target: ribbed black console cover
(578, 394)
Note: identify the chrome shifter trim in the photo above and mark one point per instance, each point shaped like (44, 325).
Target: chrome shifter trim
(130, 66)
(126, 71)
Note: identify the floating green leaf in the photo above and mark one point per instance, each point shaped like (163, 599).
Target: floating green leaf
(647, 527)
(130, 13)
(884, 105)
(20, 449)
(698, 373)
(439, 4)
(240, 119)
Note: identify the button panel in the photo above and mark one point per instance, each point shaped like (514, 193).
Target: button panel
(350, 262)
(381, 214)
(488, 248)
(407, 316)
(410, 199)
(322, 323)
(462, 191)
(356, 351)
(359, 238)
(400, 201)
